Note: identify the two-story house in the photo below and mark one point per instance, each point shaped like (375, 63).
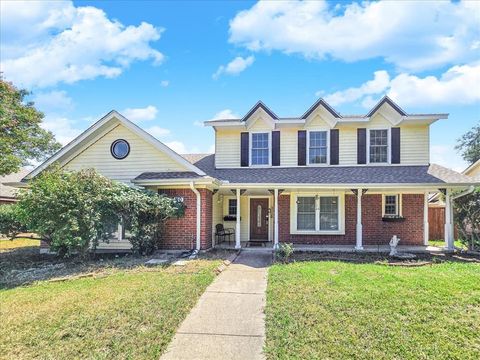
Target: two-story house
(320, 178)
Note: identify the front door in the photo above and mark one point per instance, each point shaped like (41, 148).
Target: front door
(259, 219)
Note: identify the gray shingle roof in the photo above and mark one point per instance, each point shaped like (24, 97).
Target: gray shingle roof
(421, 174)
(433, 174)
(8, 191)
(167, 175)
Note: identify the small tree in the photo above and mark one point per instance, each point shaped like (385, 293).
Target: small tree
(469, 145)
(73, 211)
(21, 137)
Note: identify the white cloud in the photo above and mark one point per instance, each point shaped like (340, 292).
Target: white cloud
(53, 101)
(62, 127)
(234, 67)
(379, 84)
(141, 114)
(458, 85)
(164, 83)
(177, 146)
(158, 131)
(46, 43)
(447, 156)
(413, 35)
(223, 114)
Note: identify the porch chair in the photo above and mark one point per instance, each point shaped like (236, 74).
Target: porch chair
(221, 233)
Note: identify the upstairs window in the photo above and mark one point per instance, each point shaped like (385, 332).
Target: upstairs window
(260, 152)
(378, 146)
(317, 148)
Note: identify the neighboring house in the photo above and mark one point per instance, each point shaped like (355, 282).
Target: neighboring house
(436, 206)
(8, 194)
(320, 178)
(473, 170)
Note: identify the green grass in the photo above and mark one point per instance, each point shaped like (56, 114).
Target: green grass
(441, 243)
(7, 245)
(336, 310)
(123, 314)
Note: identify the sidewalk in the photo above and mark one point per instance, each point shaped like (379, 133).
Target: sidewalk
(228, 320)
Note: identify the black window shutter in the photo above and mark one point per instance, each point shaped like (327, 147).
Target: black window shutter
(334, 147)
(302, 147)
(275, 148)
(395, 145)
(244, 149)
(361, 146)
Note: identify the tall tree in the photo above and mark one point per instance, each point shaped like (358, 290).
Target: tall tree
(469, 145)
(21, 137)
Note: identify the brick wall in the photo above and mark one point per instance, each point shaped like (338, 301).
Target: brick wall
(375, 231)
(181, 233)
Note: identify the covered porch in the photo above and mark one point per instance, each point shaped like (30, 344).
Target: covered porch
(319, 218)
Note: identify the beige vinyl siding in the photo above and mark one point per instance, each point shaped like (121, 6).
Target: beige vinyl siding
(288, 147)
(347, 145)
(114, 245)
(243, 216)
(414, 145)
(317, 122)
(227, 148)
(217, 213)
(261, 125)
(143, 157)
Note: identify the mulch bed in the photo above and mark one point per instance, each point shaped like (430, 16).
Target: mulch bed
(384, 259)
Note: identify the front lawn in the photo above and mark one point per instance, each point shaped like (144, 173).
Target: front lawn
(115, 314)
(7, 244)
(341, 310)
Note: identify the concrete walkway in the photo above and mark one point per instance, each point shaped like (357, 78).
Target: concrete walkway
(228, 321)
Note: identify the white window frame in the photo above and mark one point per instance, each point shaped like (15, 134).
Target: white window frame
(317, 231)
(328, 146)
(250, 148)
(228, 207)
(398, 205)
(389, 151)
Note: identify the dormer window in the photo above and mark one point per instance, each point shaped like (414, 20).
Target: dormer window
(378, 146)
(260, 150)
(317, 147)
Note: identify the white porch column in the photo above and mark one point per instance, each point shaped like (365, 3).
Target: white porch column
(359, 244)
(237, 227)
(448, 221)
(275, 238)
(425, 220)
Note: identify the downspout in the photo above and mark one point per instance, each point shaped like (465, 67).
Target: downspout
(199, 204)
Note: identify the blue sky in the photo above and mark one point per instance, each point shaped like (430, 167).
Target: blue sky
(169, 66)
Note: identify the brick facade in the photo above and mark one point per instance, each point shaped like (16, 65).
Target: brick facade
(180, 234)
(375, 231)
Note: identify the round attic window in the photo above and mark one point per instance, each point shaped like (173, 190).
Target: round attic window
(120, 149)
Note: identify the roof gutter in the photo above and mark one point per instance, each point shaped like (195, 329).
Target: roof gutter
(199, 208)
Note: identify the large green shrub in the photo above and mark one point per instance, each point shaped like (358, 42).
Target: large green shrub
(11, 221)
(73, 211)
(467, 219)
